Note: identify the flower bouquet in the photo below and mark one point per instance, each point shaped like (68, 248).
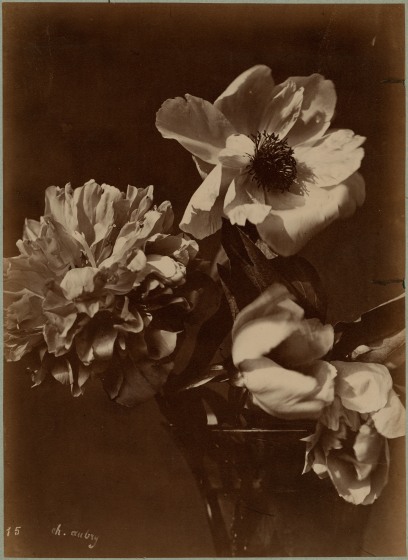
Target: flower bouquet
(236, 347)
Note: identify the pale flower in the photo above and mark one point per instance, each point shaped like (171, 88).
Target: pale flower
(88, 292)
(279, 354)
(350, 444)
(267, 157)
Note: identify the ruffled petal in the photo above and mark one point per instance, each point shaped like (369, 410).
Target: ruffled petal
(319, 102)
(60, 205)
(331, 160)
(203, 214)
(283, 110)
(362, 387)
(79, 281)
(244, 100)
(196, 124)
(287, 230)
(390, 420)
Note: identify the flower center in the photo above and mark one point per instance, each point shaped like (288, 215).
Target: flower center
(272, 165)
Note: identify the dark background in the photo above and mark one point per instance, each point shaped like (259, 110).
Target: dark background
(82, 84)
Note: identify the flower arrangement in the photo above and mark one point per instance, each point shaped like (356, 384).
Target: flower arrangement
(103, 288)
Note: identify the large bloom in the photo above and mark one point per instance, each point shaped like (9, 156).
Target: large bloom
(266, 156)
(278, 354)
(88, 293)
(350, 444)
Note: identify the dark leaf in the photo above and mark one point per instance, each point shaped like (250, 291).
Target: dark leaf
(129, 382)
(251, 272)
(200, 347)
(302, 279)
(377, 336)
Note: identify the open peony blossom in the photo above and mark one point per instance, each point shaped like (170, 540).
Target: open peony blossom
(350, 442)
(89, 291)
(266, 156)
(278, 354)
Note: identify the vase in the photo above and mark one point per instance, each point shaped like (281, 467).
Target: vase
(258, 502)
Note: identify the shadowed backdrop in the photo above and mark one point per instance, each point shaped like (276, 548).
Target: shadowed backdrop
(82, 84)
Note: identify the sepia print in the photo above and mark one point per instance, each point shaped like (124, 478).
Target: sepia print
(203, 280)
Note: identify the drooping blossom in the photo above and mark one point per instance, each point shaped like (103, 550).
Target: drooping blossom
(267, 156)
(90, 291)
(350, 444)
(278, 353)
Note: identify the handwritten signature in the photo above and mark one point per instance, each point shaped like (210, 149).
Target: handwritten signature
(84, 535)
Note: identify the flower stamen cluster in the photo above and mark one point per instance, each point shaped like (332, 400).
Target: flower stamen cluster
(272, 164)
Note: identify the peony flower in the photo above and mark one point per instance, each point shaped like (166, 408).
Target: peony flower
(266, 155)
(89, 291)
(350, 444)
(279, 356)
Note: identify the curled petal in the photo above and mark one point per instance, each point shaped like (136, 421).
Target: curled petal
(203, 214)
(244, 100)
(259, 337)
(390, 420)
(79, 281)
(160, 343)
(61, 370)
(31, 229)
(274, 299)
(281, 392)
(348, 486)
(309, 342)
(60, 205)
(196, 124)
(244, 201)
(237, 151)
(362, 387)
(367, 449)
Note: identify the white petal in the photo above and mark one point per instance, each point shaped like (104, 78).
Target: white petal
(245, 201)
(79, 281)
(362, 387)
(319, 101)
(331, 160)
(281, 392)
(237, 152)
(287, 230)
(273, 300)
(283, 110)
(244, 100)
(390, 420)
(258, 337)
(203, 214)
(196, 124)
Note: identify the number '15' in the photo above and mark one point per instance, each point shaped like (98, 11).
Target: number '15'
(10, 531)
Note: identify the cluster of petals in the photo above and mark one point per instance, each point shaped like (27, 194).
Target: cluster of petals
(280, 360)
(89, 279)
(278, 353)
(350, 444)
(221, 138)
